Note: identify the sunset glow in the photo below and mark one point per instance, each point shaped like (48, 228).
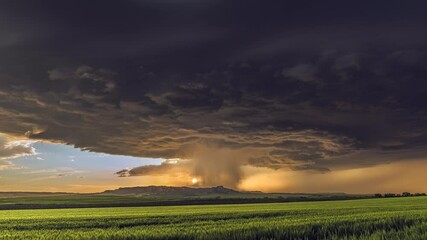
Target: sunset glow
(194, 181)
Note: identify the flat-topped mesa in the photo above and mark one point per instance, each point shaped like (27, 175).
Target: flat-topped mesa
(167, 190)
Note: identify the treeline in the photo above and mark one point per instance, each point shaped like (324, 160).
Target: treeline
(404, 194)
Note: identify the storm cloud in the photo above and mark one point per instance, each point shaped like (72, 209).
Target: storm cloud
(13, 148)
(301, 85)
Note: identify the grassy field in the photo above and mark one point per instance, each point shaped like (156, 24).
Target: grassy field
(393, 218)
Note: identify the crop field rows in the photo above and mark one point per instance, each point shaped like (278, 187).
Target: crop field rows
(395, 218)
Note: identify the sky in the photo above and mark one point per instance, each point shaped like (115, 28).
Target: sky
(278, 96)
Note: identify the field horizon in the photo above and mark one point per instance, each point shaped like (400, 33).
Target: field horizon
(168, 196)
(158, 196)
(41, 192)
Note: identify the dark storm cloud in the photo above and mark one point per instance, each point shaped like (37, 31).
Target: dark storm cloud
(287, 84)
(169, 166)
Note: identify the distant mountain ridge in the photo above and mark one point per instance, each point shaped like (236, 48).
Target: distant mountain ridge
(176, 191)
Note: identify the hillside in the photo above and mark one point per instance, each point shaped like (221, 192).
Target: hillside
(157, 196)
(171, 191)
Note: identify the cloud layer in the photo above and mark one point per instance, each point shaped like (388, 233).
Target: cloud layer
(298, 85)
(12, 148)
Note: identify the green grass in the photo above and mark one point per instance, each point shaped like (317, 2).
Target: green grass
(394, 218)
